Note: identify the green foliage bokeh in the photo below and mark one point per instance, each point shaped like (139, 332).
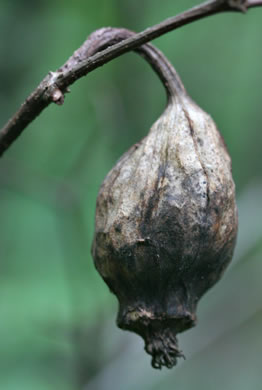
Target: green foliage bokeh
(57, 316)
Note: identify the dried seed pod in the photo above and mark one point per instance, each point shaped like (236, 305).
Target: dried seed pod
(166, 220)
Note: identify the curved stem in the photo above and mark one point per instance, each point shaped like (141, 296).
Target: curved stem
(106, 37)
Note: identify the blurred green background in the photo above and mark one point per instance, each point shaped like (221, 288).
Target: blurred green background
(57, 327)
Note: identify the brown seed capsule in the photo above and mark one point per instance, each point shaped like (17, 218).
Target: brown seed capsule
(166, 221)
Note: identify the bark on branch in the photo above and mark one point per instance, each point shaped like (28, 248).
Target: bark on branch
(101, 47)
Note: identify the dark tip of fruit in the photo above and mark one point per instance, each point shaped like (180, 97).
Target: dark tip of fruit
(164, 349)
(159, 334)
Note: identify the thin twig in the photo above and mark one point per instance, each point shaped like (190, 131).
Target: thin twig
(55, 84)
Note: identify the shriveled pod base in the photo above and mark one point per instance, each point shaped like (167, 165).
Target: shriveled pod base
(159, 333)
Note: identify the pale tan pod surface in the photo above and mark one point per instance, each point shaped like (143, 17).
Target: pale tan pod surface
(185, 143)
